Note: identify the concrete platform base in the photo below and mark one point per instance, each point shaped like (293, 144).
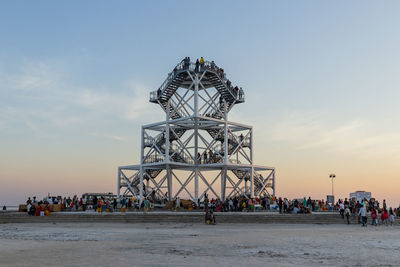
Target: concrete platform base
(177, 217)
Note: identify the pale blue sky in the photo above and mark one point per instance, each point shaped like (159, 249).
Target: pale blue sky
(321, 79)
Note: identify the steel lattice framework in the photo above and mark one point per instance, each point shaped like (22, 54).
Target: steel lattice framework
(196, 146)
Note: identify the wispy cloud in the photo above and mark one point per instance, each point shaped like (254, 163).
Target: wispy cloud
(314, 130)
(111, 137)
(36, 76)
(37, 95)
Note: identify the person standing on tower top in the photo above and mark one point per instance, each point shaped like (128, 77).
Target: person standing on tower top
(202, 63)
(213, 65)
(241, 93)
(186, 63)
(197, 66)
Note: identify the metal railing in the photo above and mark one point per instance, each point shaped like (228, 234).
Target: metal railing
(234, 161)
(183, 65)
(154, 158)
(176, 150)
(246, 141)
(153, 96)
(148, 141)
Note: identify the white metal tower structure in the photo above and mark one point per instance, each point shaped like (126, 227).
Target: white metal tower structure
(196, 150)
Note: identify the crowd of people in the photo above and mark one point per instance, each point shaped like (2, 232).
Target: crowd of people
(236, 204)
(34, 206)
(283, 205)
(379, 214)
(95, 203)
(201, 65)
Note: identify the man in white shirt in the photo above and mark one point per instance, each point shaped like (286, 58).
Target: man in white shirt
(341, 209)
(363, 213)
(84, 201)
(230, 204)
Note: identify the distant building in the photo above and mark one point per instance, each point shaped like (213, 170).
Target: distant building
(360, 195)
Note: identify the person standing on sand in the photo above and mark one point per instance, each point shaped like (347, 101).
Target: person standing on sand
(379, 214)
(280, 203)
(347, 213)
(363, 213)
(385, 217)
(391, 217)
(341, 208)
(374, 217)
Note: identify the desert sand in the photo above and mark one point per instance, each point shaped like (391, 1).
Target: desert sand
(124, 244)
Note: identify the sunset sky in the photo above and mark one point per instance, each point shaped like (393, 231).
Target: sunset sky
(322, 83)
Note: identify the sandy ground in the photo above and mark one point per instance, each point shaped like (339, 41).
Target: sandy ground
(123, 244)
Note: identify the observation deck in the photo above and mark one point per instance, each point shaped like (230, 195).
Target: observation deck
(211, 76)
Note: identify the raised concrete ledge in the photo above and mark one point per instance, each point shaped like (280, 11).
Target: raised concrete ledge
(176, 217)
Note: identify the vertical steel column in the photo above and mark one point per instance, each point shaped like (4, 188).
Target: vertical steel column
(119, 183)
(252, 168)
(223, 183)
(225, 134)
(252, 182)
(167, 144)
(245, 185)
(273, 183)
(167, 147)
(169, 178)
(147, 186)
(225, 110)
(141, 187)
(251, 145)
(226, 141)
(224, 171)
(196, 137)
(141, 169)
(142, 147)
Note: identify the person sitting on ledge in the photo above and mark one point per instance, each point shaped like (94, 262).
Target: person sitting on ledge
(31, 209)
(38, 210)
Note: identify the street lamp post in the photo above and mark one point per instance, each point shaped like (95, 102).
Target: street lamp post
(332, 176)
